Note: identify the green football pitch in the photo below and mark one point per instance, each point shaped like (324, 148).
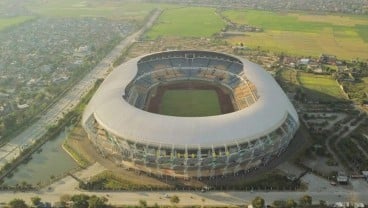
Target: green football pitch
(190, 103)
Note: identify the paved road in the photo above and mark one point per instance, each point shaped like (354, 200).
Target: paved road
(322, 190)
(13, 148)
(195, 198)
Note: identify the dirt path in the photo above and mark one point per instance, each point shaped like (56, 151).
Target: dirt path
(341, 135)
(360, 148)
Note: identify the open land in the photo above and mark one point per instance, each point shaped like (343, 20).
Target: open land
(304, 34)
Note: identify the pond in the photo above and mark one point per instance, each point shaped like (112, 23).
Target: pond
(48, 162)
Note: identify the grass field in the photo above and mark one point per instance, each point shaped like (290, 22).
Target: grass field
(320, 87)
(190, 103)
(109, 180)
(13, 21)
(187, 22)
(129, 10)
(304, 34)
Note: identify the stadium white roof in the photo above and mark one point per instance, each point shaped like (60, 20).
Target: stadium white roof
(117, 116)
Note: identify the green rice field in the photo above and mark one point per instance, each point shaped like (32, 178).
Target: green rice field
(13, 21)
(345, 36)
(128, 10)
(187, 22)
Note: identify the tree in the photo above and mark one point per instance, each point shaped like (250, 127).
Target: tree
(291, 203)
(80, 201)
(10, 121)
(36, 200)
(258, 202)
(174, 200)
(97, 202)
(65, 198)
(322, 203)
(156, 205)
(279, 204)
(305, 201)
(18, 203)
(143, 203)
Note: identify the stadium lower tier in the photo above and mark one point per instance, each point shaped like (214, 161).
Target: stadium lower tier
(192, 160)
(244, 92)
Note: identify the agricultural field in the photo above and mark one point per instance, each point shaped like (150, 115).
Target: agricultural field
(187, 22)
(320, 87)
(189, 103)
(93, 8)
(304, 34)
(13, 21)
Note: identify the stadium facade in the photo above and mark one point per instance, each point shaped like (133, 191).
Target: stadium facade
(260, 129)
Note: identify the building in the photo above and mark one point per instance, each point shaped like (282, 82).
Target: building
(262, 125)
(342, 178)
(327, 59)
(365, 174)
(304, 61)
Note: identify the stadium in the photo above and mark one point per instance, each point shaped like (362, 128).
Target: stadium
(190, 114)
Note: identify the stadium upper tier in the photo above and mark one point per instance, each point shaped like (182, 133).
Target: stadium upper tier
(262, 107)
(180, 65)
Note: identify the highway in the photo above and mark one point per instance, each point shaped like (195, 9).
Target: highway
(13, 148)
